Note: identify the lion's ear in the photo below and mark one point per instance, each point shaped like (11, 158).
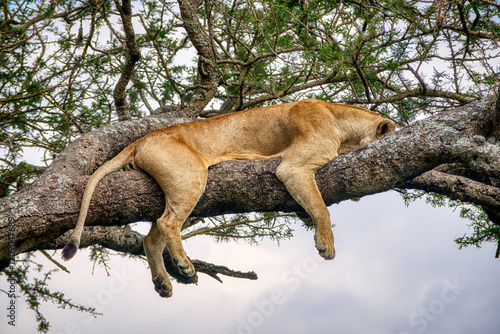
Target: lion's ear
(385, 127)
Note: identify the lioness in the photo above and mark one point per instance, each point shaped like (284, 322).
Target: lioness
(305, 134)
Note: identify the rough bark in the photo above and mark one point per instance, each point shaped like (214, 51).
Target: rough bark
(47, 209)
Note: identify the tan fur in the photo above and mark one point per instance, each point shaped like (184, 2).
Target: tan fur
(306, 134)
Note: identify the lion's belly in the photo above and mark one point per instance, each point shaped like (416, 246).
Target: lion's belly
(242, 137)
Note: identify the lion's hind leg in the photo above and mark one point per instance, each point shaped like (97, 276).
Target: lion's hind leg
(154, 244)
(181, 195)
(170, 226)
(182, 175)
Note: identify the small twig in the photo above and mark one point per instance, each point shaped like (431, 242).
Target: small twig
(207, 230)
(63, 268)
(212, 270)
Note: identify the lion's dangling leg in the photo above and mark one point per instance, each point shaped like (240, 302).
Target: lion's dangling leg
(302, 186)
(181, 195)
(171, 230)
(154, 244)
(166, 233)
(297, 171)
(182, 175)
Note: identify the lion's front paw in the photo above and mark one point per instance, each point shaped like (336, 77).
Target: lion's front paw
(163, 287)
(327, 253)
(325, 248)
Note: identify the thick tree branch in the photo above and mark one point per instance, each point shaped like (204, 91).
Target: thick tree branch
(50, 207)
(457, 188)
(127, 241)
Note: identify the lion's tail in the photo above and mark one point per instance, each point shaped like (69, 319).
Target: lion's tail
(123, 158)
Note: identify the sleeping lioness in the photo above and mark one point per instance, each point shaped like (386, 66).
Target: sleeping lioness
(305, 134)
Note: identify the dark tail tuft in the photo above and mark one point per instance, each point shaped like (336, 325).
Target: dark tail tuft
(69, 250)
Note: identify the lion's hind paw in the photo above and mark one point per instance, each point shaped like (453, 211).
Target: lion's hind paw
(164, 290)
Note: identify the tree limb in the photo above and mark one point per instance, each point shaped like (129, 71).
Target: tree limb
(50, 206)
(125, 240)
(206, 57)
(457, 188)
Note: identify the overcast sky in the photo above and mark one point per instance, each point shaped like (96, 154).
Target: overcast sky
(397, 271)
